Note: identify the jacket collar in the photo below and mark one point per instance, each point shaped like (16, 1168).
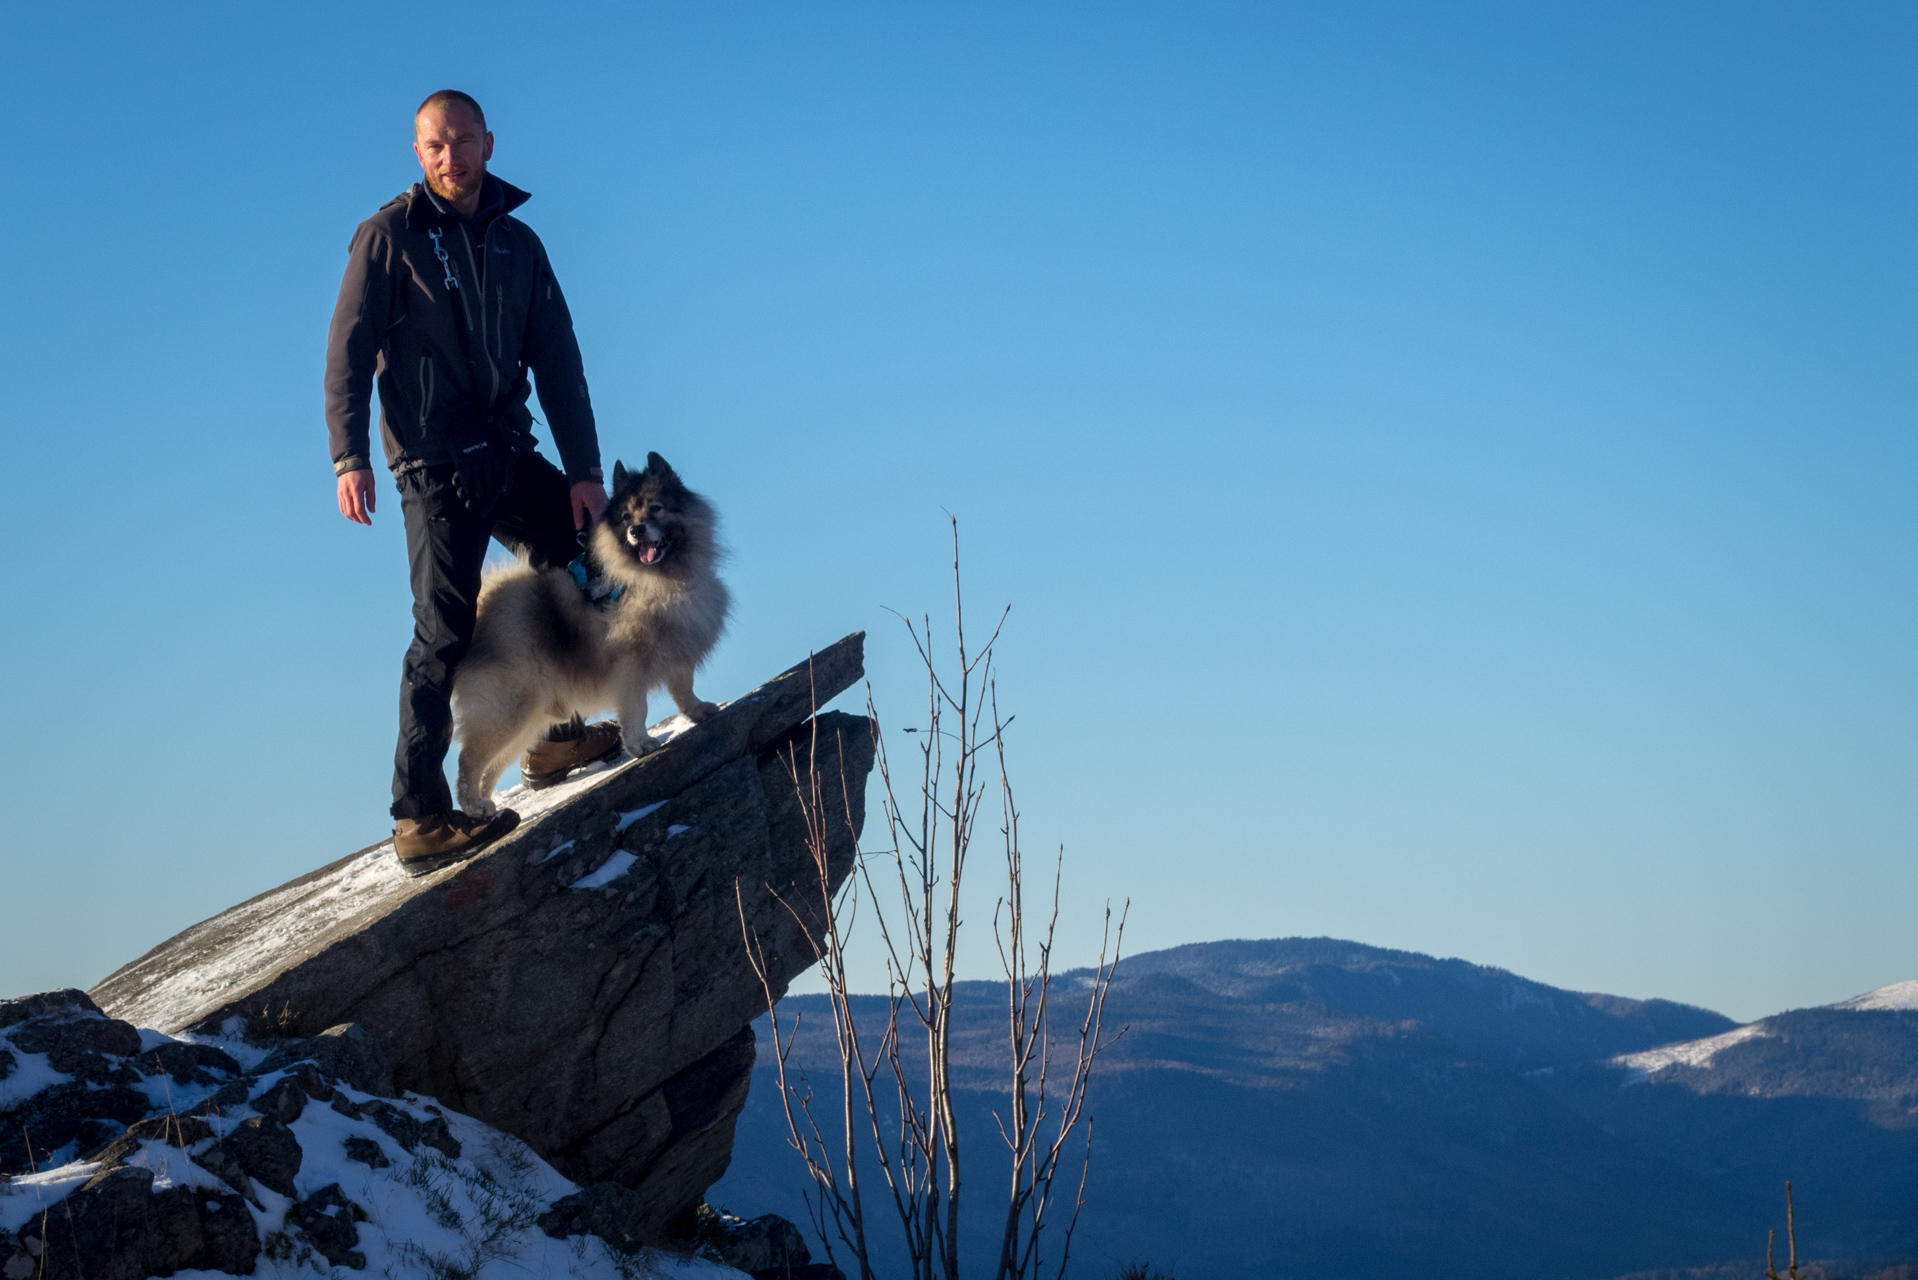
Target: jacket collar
(422, 213)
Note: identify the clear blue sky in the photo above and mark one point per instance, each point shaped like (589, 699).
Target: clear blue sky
(1451, 465)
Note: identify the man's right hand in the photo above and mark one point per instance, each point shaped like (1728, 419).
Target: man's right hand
(356, 496)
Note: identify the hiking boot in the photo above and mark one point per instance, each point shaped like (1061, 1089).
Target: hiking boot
(427, 844)
(548, 761)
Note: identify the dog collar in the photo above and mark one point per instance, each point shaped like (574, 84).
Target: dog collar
(599, 591)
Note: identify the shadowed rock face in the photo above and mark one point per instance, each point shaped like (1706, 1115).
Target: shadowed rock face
(583, 983)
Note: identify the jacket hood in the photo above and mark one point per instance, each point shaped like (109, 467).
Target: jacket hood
(421, 212)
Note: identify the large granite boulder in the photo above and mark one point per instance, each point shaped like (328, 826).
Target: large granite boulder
(582, 984)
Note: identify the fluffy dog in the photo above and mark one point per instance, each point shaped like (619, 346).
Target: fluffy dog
(545, 650)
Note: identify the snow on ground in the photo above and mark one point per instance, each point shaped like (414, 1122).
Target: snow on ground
(1899, 995)
(240, 942)
(428, 1215)
(1688, 1053)
(32, 1072)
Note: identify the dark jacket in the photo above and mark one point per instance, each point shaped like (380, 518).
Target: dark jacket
(451, 344)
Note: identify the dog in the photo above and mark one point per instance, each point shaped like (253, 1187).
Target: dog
(544, 650)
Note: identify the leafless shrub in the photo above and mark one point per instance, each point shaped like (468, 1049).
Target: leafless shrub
(916, 920)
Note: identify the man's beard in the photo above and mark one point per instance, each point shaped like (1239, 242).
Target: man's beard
(446, 191)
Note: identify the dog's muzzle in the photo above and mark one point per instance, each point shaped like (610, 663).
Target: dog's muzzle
(648, 540)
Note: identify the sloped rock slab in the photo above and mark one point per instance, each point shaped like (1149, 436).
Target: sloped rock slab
(583, 983)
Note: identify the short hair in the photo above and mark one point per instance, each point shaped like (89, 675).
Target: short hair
(445, 98)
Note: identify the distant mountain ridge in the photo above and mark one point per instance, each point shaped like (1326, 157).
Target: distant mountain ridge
(1491, 1012)
(1309, 1107)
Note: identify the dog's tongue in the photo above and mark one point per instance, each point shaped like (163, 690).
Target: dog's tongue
(649, 553)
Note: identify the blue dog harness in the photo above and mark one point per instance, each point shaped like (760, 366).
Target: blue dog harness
(600, 591)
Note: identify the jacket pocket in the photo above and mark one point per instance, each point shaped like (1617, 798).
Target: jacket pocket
(429, 383)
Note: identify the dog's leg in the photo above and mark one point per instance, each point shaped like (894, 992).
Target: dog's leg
(479, 770)
(632, 718)
(490, 736)
(680, 685)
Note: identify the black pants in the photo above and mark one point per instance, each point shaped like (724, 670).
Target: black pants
(446, 547)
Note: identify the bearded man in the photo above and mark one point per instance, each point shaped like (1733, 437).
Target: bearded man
(449, 303)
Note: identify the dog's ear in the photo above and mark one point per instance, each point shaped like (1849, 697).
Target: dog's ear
(619, 473)
(660, 468)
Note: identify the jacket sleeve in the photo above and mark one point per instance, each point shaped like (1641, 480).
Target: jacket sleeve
(360, 320)
(552, 353)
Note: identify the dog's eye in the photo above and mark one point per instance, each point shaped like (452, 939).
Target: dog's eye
(654, 510)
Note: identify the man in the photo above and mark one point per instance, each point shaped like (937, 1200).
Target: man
(449, 302)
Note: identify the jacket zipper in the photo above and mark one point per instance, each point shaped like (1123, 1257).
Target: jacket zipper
(466, 237)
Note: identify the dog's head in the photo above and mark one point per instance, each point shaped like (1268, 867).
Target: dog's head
(653, 523)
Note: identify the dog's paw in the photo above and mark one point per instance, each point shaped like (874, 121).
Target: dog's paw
(640, 747)
(476, 807)
(700, 712)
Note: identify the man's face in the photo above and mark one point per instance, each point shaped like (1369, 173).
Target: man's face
(453, 150)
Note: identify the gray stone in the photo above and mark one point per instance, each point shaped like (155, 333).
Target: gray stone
(75, 1032)
(65, 1113)
(188, 1064)
(607, 1026)
(230, 1238)
(367, 1152)
(344, 1052)
(285, 1101)
(173, 1238)
(65, 1002)
(410, 1131)
(174, 1130)
(220, 1161)
(767, 1248)
(102, 1230)
(328, 1221)
(268, 1152)
(614, 1213)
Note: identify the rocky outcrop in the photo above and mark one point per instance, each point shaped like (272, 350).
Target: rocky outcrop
(581, 985)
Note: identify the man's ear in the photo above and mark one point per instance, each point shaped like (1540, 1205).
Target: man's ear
(619, 473)
(488, 154)
(660, 468)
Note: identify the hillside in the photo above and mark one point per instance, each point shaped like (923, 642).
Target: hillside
(1312, 1107)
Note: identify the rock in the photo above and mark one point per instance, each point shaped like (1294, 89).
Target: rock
(313, 1084)
(188, 1064)
(76, 1033)
(284, 1101)
(327, 1219)
(344, 1052)
(220, 1161)
(230, 1238)
(175, 1131)
(66, 1113)
(233, 1092)
(102, 1230)
(607, 1210)
(608, 1026)
(410, 1131)
(367, 1152)
(65, 1002)
(7, 1062)
(766, 1248)
(173, 1239)
(267, 1151)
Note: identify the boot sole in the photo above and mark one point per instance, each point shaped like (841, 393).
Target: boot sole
(541, 781)
(426, 866)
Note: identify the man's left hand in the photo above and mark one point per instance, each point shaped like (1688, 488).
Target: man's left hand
(589, 499)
